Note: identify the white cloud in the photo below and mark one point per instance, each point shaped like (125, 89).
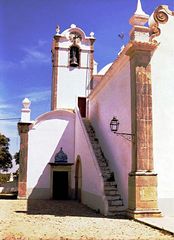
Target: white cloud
(6, 109)
(42, 43)
(38, 95)
(35, 54)
(6, 65)
(5, 105)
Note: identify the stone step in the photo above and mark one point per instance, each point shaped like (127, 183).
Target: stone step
(115, 204)
(98, 152)
(110, 188)
(106, 176)
(96, 147)
(119, 213)
(103, 164)
(118, 202)
(105, 169)
(91, 135)
(115, 208)
(92, 140)
(111, 183)
(8, 195)
(111, 214)
(114, 197)
(111, 192)
(101, 160)
(99, 156)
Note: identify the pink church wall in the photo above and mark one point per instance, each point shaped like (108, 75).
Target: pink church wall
(112, 98)
(163, 115)
(49, 133)
(92, 181)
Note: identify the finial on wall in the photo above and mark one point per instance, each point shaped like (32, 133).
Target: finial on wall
(139, 10)
(91, 34)
(73, 26)
(139, 31)
(26, 103)
(139, 18)
(25, 112)
(57, 30)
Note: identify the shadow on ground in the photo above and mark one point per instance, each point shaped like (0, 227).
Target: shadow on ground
(62, 208)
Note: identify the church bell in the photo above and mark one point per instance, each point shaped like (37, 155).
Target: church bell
(74, 51)
(73, 61)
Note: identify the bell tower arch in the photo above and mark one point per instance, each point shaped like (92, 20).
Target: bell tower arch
(72, 66)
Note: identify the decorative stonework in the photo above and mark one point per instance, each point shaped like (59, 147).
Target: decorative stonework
(144, 119)
(75, 37)
(23, 127)
(160, 16)
(135, 46)
(142, 180)
(61, 156)
(57, 30)
(139, 18)
(143, 197)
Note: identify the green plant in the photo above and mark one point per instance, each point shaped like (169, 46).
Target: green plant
(4, 177)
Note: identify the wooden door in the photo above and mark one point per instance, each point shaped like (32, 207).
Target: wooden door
(60, 185)
(82, 106)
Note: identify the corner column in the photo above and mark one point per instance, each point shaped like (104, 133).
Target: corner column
(142, 194)
(92, 40)
(55, 47)
(23, 129)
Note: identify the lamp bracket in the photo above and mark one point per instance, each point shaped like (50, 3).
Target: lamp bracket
(127, 136)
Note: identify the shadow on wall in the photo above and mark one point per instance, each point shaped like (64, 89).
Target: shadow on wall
(42, 189)
(39, 191)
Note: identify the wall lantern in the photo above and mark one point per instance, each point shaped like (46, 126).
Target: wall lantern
(114, 126)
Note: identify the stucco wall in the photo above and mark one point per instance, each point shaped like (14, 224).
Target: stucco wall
(112, 98)
(92, 182)
(163, 115)
(73, 81)
(50, 132)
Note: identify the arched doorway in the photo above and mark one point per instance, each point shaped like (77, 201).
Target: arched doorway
(78, 179)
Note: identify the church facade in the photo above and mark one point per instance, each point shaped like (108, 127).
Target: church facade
(107, 140)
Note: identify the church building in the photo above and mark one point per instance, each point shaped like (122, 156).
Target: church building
(108, 139)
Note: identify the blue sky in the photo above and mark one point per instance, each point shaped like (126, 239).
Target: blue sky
(26, 31)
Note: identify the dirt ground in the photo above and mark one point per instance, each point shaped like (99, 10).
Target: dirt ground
(46, 219)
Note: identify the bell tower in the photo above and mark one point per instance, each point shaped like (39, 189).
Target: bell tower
(73, 65)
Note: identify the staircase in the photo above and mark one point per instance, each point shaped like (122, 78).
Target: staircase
(9, 190)
(115, 203)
